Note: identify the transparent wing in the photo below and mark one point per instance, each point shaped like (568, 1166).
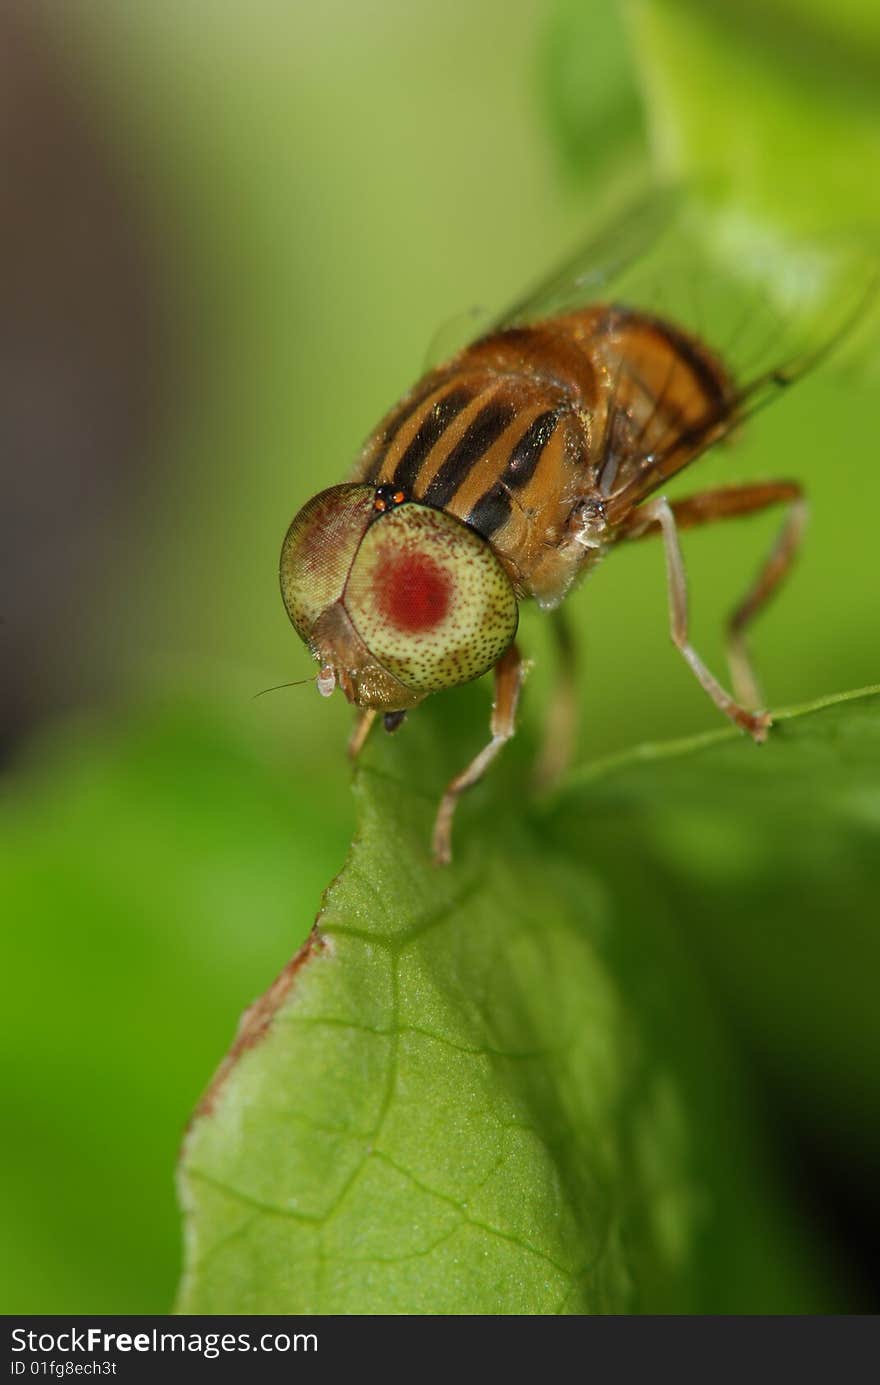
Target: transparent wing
(616, 247)
(767, 310)
(455, 333)
(747, 292)
(618, 243)
(761, 309)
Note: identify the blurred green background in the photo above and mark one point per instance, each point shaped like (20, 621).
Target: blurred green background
(229, 234)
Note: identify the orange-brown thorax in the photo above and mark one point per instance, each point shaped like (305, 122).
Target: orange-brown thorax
(542, 438)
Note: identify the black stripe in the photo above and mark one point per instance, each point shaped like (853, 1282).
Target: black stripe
(404, 412)
(488, 425)
(526, 455)
(491, 511)
(431, 430)
(697, 359)
(703, 369)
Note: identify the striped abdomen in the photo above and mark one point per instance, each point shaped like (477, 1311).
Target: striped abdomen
(521, 426)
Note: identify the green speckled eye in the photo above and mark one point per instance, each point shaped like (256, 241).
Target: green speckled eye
(319, 549)
(429, 598)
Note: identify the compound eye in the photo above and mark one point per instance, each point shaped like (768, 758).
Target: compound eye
(319, 549)
(429, 598)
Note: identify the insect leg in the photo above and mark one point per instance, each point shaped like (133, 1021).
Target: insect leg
(660, 512)
(560, 729)
(729, 503)
(773, 570)
(509, 673)
(361, 730)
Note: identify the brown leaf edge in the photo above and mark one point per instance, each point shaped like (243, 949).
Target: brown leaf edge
(256, 1021)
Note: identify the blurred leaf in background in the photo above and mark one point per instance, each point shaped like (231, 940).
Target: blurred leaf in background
(146, 872)
(318, 189)
(591, 94)
(777, 99)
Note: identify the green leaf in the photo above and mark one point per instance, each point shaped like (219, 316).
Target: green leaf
(774, 99)
(502, 1087)
(590, 91)
(766, 114)
(773, 862)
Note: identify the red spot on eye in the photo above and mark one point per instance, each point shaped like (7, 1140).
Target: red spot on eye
(413, 591)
